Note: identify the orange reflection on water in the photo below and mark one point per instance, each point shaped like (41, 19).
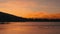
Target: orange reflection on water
(24, 28)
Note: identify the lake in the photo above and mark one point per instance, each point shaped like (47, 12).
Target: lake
(30, 28)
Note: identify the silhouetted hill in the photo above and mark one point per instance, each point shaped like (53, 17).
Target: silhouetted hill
(5, 17)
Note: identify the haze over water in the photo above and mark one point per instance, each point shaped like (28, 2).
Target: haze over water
(30, 28)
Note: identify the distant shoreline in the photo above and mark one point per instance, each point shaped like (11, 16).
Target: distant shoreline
(33, 20)
(5, 17)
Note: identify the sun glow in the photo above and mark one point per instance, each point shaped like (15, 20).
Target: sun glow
(30, 9)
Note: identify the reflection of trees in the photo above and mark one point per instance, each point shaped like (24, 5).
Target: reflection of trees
(4, 22)
(34, 20)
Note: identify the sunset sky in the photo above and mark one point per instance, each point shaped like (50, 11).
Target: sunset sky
(30, 8)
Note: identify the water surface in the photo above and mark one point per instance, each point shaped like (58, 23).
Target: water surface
(30, 28)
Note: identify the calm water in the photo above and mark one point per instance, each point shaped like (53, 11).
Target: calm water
(30, 28)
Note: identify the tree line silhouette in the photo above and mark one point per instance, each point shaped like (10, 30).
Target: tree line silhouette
(5, 17)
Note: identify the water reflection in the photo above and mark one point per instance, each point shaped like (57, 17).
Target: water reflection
(29, 28)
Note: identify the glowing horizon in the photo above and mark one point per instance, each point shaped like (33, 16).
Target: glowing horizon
(31, 8)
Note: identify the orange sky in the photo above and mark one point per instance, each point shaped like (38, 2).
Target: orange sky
(31, 9)
(43, 15)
